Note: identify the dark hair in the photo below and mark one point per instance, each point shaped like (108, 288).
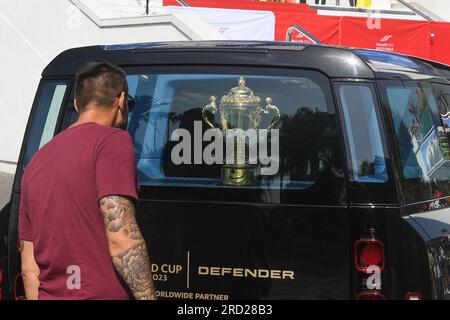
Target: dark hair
(99, 82)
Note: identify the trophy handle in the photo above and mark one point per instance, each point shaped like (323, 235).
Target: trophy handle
(212, 107)
(271, 107)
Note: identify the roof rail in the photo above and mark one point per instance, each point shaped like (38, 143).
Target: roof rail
(416, 10)
(303, 31)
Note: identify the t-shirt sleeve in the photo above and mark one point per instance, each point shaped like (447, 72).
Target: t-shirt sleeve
(116, 167)
(25, 231)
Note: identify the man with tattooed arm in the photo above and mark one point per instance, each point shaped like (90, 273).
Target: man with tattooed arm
(77, 227)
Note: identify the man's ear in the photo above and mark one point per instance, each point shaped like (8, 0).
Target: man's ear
(75, 105)
(121, 101)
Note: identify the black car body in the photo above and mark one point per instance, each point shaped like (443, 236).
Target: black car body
(359, 206)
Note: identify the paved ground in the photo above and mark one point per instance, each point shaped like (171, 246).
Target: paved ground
(6, 181)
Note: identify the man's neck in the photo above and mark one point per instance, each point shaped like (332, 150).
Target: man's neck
(94, 117)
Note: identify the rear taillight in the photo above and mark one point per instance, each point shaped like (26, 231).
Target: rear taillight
(369, 262)
(413, 296)
(370, 295)
(369, 253)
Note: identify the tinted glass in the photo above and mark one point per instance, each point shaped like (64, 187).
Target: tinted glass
(421, 139)
(442, 93)
(171, 128)
(365, 147)
(46, 116)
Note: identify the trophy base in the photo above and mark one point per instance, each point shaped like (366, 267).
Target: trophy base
(239, 175)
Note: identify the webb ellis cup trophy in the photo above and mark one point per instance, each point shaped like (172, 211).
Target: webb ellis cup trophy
(240, 109)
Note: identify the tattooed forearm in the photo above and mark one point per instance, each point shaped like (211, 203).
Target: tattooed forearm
(134, 267)
(130, 256)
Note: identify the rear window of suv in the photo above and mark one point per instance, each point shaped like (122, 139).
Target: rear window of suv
(299, 151)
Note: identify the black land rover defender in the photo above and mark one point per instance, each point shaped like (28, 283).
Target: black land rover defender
(346, 195)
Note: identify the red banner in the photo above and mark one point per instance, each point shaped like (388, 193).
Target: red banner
(324, 28)
(401, 36)
(440, 41)
(417, 38)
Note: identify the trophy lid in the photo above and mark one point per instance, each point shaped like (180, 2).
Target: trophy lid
(240, 96)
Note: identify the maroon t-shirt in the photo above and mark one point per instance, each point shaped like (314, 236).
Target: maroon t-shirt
(60, 213)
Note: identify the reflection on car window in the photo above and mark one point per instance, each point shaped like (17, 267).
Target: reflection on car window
(421, 139)
(46, 116)
(365, 147)
(443, 99)
(307, 129)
